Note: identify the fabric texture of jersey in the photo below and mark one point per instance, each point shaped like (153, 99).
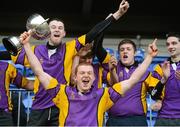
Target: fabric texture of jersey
(82, 109)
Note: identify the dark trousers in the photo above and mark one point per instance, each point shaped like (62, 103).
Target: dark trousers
(167, 122)
(5, 118)
(44, 117)
(23, 115)
(127, 121)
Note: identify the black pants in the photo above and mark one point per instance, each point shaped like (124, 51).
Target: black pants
(44, 117)
(5, 118)
(167, 122)
(127, 121)
(23, 115)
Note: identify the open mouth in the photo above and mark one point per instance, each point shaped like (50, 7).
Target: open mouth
(125, 56)
(85, 81)
(56, 35)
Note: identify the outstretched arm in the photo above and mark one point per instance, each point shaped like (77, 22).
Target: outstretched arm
(36, 66)
(98, 49)
(100, 27)
(139, 72)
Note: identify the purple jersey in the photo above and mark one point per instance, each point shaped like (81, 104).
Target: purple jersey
(58, 66)
(77, 109)
(171, 93)
(8, 74)
(134, 100)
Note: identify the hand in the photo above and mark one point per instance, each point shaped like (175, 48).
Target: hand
(84, 51)
(24, 37)
(123, 7)
(157, 105)
(177, 74)
(112, 63)
(166, 70)
(152, 49)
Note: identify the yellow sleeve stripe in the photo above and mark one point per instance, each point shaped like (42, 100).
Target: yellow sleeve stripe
(53, 83)
(14, 58)
(12, 70)
(82, 39)
(154, 81)
(24, 82)
(158, 69)
(68, 59)
(100, 77)
(117, 87)
(108, 77)
(107, 59)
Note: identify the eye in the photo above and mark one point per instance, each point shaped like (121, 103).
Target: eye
(122, 49)
(90, 72)
(174, 43)
(129, 49)
(61, 27)
(53, 27)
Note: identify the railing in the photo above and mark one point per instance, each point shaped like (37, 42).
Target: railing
(22, 95)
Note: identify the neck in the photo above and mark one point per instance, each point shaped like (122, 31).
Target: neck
(129, 65)
(175, 58)
(50, 46)
(82, 91)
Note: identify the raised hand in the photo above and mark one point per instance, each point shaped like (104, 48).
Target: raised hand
(152, 49)
(112, 63)
(24, 37)
(123, 7)
(85, 51)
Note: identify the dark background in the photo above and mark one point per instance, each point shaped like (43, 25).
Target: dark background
(147, 18)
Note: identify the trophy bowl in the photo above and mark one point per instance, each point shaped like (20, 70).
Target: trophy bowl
(39, 26)
(12, 45)
(40, 31)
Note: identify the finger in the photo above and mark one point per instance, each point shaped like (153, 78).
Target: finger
(153, 46)
(154, 42)
(122, 2)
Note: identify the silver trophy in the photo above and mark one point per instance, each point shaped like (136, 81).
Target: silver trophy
(40, 31)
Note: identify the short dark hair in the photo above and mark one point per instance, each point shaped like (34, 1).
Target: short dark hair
(173, 34)
(56, 19)
(127, 41)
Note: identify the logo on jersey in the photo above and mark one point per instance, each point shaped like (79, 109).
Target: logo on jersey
(120, 74)
(72, 95)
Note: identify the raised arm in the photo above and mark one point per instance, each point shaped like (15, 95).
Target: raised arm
(100, 27)
(139, 72)
(112, 70)
(43, 77)
(100, 52)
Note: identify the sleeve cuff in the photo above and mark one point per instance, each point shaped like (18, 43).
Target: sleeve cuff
(53, 83)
